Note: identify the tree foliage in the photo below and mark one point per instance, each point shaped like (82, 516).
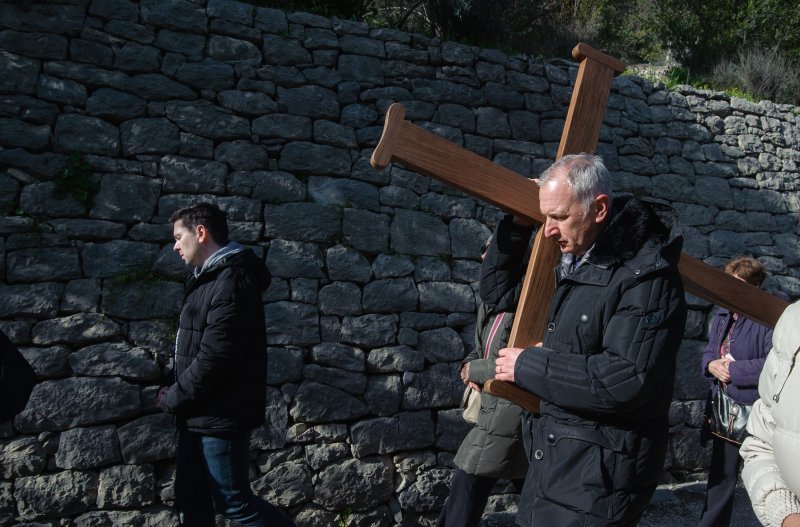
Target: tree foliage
(698, 35)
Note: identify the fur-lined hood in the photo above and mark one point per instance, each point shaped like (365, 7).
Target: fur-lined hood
(636, 225)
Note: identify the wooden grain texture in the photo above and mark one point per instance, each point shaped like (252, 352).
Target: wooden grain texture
(731, 293)
(431, 155)
(512, 392)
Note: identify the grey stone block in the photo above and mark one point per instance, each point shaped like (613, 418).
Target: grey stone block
(149, 136)
(358, 484)
(114, 360)
(408, 430)
(315, 402)
(383, 394)
(178, 15)
(309, 158)
(36, 265)
(369, 330)
(395, 359)
(20, 457)
(39, 299)
(441, 345)
(306, 222)
(366, 231)
(126, 486)
(147, 439)
(292, 323)
(80, 328)
(85, 448)
(390, 296)
(52, 495)
(347, 264)
(446, 297)
(67, 403)
(116, 258)
(80, 133)
(406, 227)
(439, 386)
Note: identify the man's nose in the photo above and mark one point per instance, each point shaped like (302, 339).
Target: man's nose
(175, 247)
(550, 230)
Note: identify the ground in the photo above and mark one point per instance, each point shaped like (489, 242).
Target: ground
(674, 505)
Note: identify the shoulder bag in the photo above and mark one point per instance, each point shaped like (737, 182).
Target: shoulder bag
(471, 404)
(726, 418)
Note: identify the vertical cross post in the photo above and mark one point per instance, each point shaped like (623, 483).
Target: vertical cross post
(581, 132)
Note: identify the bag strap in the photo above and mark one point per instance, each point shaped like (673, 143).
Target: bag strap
(495, 326)
(777, 396)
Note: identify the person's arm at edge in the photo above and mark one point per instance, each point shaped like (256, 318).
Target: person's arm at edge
(772, 500)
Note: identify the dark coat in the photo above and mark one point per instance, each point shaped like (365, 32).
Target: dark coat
(493, 447)
(750, 344)
(605, 377)
(221, 350)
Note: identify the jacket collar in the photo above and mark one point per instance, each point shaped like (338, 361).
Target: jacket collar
(218, 258)
(633, 225)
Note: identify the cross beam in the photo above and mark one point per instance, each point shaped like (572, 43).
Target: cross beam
(424, 152)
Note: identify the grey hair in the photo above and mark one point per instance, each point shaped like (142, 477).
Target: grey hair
(586, 175)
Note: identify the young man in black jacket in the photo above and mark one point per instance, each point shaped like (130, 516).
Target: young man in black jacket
(220, 368)
(606, 367)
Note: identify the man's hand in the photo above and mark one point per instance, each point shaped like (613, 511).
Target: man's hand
(719, 369)
(793, 520)
(161, 398)
(504, 365)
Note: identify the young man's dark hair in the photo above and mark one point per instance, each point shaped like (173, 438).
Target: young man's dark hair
(212, 217)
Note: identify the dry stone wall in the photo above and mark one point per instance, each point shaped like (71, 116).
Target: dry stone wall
(115, 113)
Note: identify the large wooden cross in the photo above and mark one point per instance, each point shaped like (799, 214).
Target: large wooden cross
(427, 153)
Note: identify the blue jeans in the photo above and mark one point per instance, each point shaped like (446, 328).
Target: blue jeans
(217, 467)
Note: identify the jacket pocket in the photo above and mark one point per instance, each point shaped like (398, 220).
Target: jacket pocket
(576, 467)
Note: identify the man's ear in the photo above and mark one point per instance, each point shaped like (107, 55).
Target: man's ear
(202, 233)
(601, 206)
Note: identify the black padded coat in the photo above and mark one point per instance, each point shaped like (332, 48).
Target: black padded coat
(220, 364)
(605, 377)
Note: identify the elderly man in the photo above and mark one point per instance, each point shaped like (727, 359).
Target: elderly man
(606, 367)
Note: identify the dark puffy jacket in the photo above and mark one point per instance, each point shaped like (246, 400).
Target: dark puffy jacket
(750, 344)
(605, 377)
(493, 447)
(221, 351)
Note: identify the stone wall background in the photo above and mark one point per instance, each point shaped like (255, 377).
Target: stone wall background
(274, 116)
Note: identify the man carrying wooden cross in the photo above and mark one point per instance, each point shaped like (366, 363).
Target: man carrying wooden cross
(606, 367)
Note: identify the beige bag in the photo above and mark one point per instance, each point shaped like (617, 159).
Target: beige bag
(471, 403)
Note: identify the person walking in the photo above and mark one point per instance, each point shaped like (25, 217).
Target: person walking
(605, 370)
(218, 391)
(732, 361)
(492, 449)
